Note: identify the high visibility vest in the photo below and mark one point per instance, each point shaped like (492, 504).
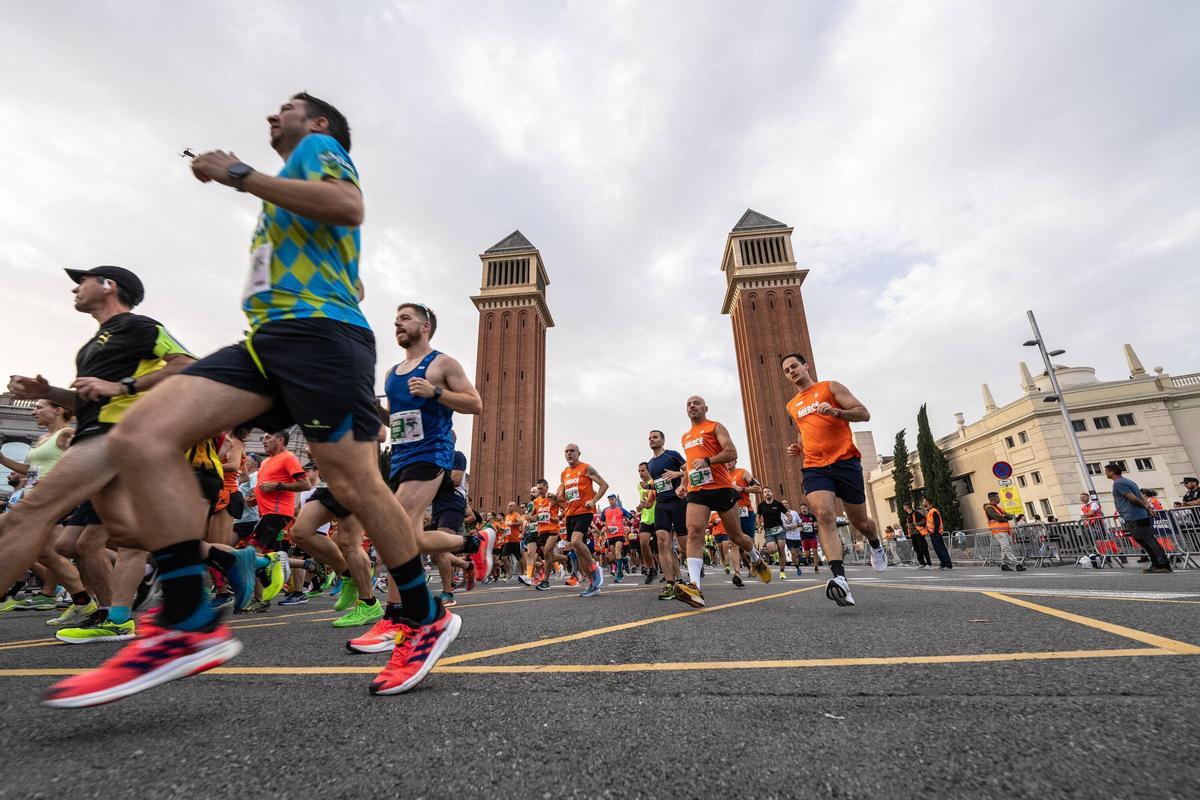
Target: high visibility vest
(997, 526)
(930, 527)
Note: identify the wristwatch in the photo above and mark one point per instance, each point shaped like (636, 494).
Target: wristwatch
(437, 393)
(238, 172)
(130, 385)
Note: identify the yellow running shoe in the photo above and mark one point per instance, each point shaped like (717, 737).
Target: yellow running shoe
(689, 593)
(74, 615)
(762, 570)
(276, 571)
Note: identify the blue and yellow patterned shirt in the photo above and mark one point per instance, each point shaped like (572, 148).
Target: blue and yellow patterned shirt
(301, 269)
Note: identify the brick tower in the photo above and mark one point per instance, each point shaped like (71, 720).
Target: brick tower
(508, 439)
(763, 300)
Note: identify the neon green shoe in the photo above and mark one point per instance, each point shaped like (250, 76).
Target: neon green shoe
(330, 577)
(37, 602)
(74, 616)
(362, 614)
(348, 596)
(276, 571)
(100, 632)
(8, 605)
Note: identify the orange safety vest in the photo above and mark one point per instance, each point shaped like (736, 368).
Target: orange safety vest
(997, 526)
(929, 515)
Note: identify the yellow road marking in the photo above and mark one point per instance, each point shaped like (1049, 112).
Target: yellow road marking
(41, 643)
(255, 625)
(572, 637)
(26, 641)
(683, 666)
(1174, 646)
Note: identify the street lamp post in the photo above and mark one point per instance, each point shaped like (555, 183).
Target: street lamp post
(1062, 403)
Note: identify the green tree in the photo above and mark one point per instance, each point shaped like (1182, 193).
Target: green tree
(935, 470)
(902, 476)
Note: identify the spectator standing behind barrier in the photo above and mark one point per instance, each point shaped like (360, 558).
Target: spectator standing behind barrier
(916, 531)
(933, 529)
(1192, 496)
(1137, 515)
(1000, 524)
(889, 543)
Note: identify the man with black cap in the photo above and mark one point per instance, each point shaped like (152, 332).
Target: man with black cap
(1192, 496)
(126, 357)
(1137, 515)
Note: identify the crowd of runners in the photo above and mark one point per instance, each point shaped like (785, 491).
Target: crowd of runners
(383, 502)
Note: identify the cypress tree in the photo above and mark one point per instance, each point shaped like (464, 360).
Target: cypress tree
(935, 470)
(901, 475)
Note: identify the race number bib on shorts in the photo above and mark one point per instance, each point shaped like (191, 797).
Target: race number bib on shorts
(663, 485)
(406, 427)
(572, 494)
(260, 271)
(699, 477)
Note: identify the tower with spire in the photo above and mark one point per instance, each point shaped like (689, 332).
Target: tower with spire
(764, 303)
(508, 439)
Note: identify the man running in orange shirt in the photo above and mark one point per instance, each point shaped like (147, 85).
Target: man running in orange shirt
(708, 451)
(581, 485)
(831, 465)
(510, 549)
(545, 512)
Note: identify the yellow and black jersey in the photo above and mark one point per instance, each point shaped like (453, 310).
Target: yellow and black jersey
(126, 346)
(206, 456)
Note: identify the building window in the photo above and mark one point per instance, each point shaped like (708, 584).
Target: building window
(1037, 476)
(1101, 423)
(1021, 481)
(1125, 420)
(963, 485)
(1144, 464)
(1079, 425)
(1008, 442)
(1047, 509)
(1023, 438)
(892, 504)
(1094, 468)
(1029, 508)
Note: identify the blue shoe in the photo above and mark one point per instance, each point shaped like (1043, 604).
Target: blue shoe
(241, 577)
(337, 587)
(221, 600)
(589, 591)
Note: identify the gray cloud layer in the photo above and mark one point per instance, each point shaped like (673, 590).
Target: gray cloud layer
(945, 165)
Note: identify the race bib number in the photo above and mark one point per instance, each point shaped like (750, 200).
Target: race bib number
(613, 529)
(743, 511)
(260, 271)
(774, 531)
(663, 485)
(572, 494)
(699, 477)
(406, 427)
(543, 517)
(806, 528)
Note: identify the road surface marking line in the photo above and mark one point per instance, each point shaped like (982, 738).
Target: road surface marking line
(1182, 648)
(1169, 597)
(42, 643)
(572, 637)
(685, 666)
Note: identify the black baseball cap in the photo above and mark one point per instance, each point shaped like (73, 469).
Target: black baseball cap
(1188, 480)
(131, 283)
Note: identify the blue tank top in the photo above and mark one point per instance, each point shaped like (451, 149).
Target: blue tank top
(421, 428)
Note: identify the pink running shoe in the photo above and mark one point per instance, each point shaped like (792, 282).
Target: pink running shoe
(417, 650)
(380, 639)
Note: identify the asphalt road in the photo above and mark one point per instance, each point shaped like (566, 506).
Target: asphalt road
(976, 683)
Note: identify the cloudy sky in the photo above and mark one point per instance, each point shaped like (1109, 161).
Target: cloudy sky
(945, 165)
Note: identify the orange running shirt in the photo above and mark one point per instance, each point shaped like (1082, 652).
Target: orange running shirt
(283, 467)
(825, 440)
(578, 489)
(513, 528)
(545, 512)
(701, 442)
(738, 477)
(718, 527)
(614, 522)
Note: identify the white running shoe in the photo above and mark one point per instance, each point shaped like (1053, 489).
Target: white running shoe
(838, 591)
(525, 580)
(878, 559)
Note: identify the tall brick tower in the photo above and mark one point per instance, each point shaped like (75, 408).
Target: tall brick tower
(510, 373)
(763, 300)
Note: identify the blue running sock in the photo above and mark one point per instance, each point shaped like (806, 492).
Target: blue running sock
(181, 576)
(118, 615)
(261, 562)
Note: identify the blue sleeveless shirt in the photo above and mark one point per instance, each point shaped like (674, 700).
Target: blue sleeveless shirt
(421, 428)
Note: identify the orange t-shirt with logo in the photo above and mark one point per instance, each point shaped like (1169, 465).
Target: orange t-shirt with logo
(701, 442)
(826, 440)
(513, 528)
(613, 519)
(578, 489)
(739, 479)
(718, 527)
(545, 512)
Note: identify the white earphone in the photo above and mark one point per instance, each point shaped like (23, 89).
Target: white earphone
(106, 283)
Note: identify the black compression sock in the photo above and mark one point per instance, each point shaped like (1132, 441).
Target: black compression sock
(368, 601)
(80, 598)
(393, 611)
(410, 582)
(837, 569)
(221, 559)
(181, 576)
(470, 544)
(875, 543)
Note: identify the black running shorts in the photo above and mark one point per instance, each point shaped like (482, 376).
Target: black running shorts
(325, 497)
(718, 500)
(210, 488)
(647, 527)
(546, 536)
(579, 523)
(511, 549)
(266, 532)
(671, 516)
(320, 373)
(843, 478)
(84, 515)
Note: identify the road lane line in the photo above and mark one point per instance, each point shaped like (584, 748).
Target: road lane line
(1173, 645)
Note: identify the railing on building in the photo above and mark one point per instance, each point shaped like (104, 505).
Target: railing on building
(1104, 543)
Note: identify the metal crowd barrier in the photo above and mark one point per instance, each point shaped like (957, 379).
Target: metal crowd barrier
(1103, 541)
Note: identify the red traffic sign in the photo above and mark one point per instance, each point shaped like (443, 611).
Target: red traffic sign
(1002, 470)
